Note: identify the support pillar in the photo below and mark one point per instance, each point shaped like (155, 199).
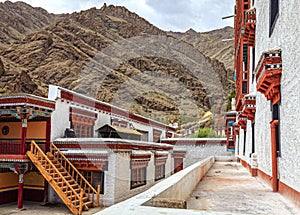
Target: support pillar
(20, 191)
(47, 149)
(48, 134)
(20, 169)
(273, 125)
(24, 135)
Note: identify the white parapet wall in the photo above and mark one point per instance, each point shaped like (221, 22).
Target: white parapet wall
(177, 187)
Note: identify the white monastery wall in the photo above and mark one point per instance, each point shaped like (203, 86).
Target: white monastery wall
(59, 120)
(108, 198)
(195, 153)
(169, 166)
(286, 36)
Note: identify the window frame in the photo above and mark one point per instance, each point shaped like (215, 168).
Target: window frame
(273, 15)
(138, 177)
(160, 172)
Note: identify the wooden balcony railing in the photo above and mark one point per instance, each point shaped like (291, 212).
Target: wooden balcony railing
(13, 148)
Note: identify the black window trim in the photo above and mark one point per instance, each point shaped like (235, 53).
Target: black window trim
(272, 23)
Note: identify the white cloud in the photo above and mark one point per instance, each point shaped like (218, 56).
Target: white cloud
(175, 15)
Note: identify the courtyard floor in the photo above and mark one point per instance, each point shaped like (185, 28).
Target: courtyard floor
(228, 187)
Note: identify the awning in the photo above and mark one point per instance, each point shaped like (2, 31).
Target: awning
(126, 130)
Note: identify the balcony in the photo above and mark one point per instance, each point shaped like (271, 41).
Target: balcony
(250, 23)
(249, 106)
(268, 75)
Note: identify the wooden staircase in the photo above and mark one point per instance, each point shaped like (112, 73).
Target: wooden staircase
(69, 184)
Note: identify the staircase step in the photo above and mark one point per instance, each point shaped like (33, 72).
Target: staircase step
(64, 188)
(86, 205)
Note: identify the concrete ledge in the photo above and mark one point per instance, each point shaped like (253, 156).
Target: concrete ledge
(175, 189)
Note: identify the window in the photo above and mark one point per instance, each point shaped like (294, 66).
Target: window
(159, 172)
(244, 87)
(274, 12)
(83, 130)
(95, 178)
(276, 116)
(253, 64)
(138, 177)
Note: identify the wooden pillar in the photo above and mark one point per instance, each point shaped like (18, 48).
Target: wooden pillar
(23, 139)
(20, 191)
(273, 125)
(47, 149)
(48, 134)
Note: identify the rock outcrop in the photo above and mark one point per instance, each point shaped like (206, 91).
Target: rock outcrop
(116, 56)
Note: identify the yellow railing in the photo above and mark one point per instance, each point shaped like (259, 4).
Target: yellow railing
(88, 189)
(74, 198)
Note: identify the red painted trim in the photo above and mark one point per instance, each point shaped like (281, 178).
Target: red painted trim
(274, 156)
(14, 157)
(115, 146)
(133, 156)
(264, 177)
(253, 171)
(82, 112)
(27, 99)
(289, 193)
(23, 138)
(111, 109)
(20, 195)
(285, 190)
(194, 142)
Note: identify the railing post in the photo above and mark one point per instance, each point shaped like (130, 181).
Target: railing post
(31, 147)
(80, 201)
(98, 196)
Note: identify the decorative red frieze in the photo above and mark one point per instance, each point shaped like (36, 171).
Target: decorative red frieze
(250, 23)
(115, 145)
(230, 119)
(242, 121)
(236, 129)
(70, 96)
(161, 157)
(14, 158)
(27, 100)
(178, 153)
(249, 107)
(82, 117)
(139, 159)
(268, 75)
(194, 141)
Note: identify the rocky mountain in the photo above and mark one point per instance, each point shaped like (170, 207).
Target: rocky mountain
(113, 55)
(217, 44)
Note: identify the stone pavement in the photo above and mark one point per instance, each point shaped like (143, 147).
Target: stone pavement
(228, 187)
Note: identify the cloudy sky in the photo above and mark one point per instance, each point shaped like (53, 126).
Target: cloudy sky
(175, 15)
